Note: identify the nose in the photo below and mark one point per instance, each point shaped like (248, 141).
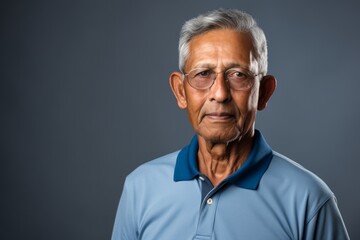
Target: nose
(220, 90)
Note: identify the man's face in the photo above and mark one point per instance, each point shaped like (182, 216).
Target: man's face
(220, 114)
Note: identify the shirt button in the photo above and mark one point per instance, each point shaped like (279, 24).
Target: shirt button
(209, 201)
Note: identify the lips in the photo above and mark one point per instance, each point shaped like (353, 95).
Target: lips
(219, 115)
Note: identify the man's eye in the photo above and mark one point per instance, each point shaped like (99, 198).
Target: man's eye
(239, 74)
(205, 73)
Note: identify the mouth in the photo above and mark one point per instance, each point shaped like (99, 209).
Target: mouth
(220, 116)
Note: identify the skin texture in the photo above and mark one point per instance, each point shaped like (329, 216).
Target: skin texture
(222, 118)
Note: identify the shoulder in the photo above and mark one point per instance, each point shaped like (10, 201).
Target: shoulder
(294, 174)
(300, 196)
(296, 184)
(162, 167)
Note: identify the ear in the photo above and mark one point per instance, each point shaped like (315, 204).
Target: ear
(177, 86)
(267, 88)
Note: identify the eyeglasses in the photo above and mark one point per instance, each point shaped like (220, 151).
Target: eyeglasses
(204, 78)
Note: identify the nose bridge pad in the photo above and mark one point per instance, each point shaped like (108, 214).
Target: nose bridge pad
(221, 79)
(226, 81)
(216, 78)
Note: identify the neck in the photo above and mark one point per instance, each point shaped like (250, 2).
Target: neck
(219, 160)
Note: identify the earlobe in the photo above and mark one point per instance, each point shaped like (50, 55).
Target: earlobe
(267, 88)
(177, 86)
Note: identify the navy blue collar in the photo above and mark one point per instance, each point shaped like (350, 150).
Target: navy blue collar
(247, 176)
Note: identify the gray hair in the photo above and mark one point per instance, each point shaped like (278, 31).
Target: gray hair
(224, 19)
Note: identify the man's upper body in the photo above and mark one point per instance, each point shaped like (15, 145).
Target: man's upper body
(228, 183)
(269, 197)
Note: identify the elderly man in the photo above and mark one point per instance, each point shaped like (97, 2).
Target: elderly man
(227, 183)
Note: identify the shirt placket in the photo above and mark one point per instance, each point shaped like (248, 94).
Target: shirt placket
(208, 210)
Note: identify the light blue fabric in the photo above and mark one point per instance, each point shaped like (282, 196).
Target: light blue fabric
(269, 197)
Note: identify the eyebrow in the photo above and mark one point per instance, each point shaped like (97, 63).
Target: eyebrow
(227, 66)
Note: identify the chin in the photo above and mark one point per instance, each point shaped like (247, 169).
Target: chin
(221, 137)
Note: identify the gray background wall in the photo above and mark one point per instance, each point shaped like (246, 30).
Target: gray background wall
(84, 99)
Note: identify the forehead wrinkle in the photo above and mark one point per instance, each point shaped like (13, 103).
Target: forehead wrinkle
(212, 56)
(213, 50)
(226, 66)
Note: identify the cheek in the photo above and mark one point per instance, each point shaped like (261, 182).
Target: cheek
(195, 103)
(246, 101)
(246, 104)
(253, 100)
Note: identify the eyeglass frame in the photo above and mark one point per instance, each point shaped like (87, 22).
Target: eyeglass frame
(249, 75)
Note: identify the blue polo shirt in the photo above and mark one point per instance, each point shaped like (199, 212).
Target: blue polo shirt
(268, 197)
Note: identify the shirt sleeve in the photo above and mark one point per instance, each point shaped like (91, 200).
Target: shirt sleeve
(124, 226)
(327, 223)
